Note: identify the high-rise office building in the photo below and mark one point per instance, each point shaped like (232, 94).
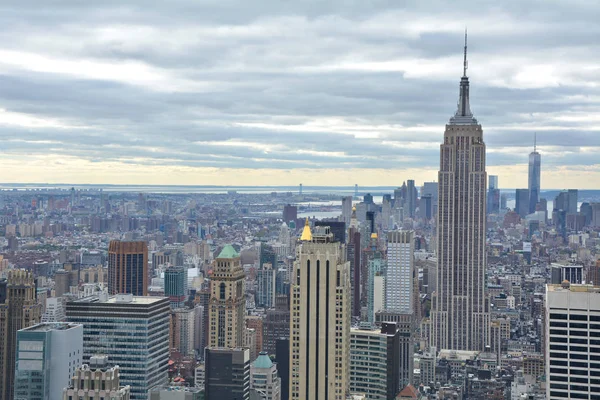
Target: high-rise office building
(522, 202)
(227, 373)
(375, 286)
(411, 198)
(375, 362)
(399, 282)
(95, 381)
(18, 310)
(175, 286)
(282, 356)
(227, 305)
(346, 209)
(535, 167)
(47, 357)
(290, 213)
(405, 323)
(572, 342)
(353, 255)
(265, 286)
(128, 268)
(493, 196)
(276, 324)
(264, 378)
(183, 330)
(320, 313)
(132, 331)
(175, 392)
(460, 307)
(567, 201)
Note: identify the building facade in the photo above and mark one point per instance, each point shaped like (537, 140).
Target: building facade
(320, 318)
(18, 310)
(375, 362)
(47, 357)
(399, 283)
(572, 342)
(227, 373)
(227, 304)
(264, 378)
(460, 308)
(128, 268)
(132, 331)
(175, 286)
(97, 380)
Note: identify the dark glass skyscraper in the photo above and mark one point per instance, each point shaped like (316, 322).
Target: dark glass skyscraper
(535, 162)
(128, 268)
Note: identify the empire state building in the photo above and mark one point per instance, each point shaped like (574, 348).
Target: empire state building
(460, 307)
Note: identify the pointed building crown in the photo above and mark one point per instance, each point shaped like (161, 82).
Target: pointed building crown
(306, 233)
(463, 115)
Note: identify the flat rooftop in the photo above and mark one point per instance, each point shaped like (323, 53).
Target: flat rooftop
(51, 326)
(120, 299)
(574, 288)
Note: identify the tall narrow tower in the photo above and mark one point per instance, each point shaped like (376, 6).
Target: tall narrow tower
(320, 318)
(19, 310)
(535, 167)
(460, 308)
(227, 304)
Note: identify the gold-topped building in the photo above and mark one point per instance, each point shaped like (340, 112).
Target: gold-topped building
(19, 310)
(320, 318)
(227, 304)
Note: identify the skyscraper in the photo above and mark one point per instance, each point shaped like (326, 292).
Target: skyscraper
(132, 331)
(320, 313)
(264, 378)
(19, 310)
(128, 268)
(522, 202)
(227, 304)
(346, 209)
(460, 308)
(175, 285)
(411, 198)
(399, 283)
(47, 357)
(572, 317)
(227, 374)
(493, 196)
(535, 166)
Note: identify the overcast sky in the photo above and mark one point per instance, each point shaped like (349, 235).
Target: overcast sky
(280, 92)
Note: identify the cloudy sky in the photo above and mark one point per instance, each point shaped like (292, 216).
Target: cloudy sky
(280, 92)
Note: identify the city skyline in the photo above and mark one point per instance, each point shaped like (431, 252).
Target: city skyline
(276, 95)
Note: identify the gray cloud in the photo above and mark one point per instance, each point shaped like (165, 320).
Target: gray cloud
(271, 84)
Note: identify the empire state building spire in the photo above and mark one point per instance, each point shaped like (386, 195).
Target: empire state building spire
(463, 113)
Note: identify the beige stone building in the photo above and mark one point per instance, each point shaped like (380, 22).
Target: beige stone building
(460, 307)
(320, 318)
(227, 304)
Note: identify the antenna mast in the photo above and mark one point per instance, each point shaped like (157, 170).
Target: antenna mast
(465, 59)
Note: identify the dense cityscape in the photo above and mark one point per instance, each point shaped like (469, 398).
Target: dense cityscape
(451, 290)
(267, 200)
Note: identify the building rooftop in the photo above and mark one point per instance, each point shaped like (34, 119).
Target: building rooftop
(120, 299)
(51, 326)
(228, 252)
(263, 361)
(566, 286)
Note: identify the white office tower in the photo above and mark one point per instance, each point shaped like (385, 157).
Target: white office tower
(55, 310)
(46, 357)
(572, 341)
(264, 379)
(320, 318)
(399, 281)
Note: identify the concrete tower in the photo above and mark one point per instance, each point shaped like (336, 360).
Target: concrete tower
(227, 304)
(535, 167)
(320, 318)
(460, 309)
(18, 310)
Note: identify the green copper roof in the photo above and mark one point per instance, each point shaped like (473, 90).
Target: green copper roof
(263, 361)
(228, 252)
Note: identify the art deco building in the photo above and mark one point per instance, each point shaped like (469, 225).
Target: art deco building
(320, 318)
(18, 310)
(227, 304)
(128, 268)
(460, 309)
(95, 381)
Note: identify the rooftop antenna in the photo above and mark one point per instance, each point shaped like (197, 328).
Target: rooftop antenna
(465, 59)
(534, 142)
